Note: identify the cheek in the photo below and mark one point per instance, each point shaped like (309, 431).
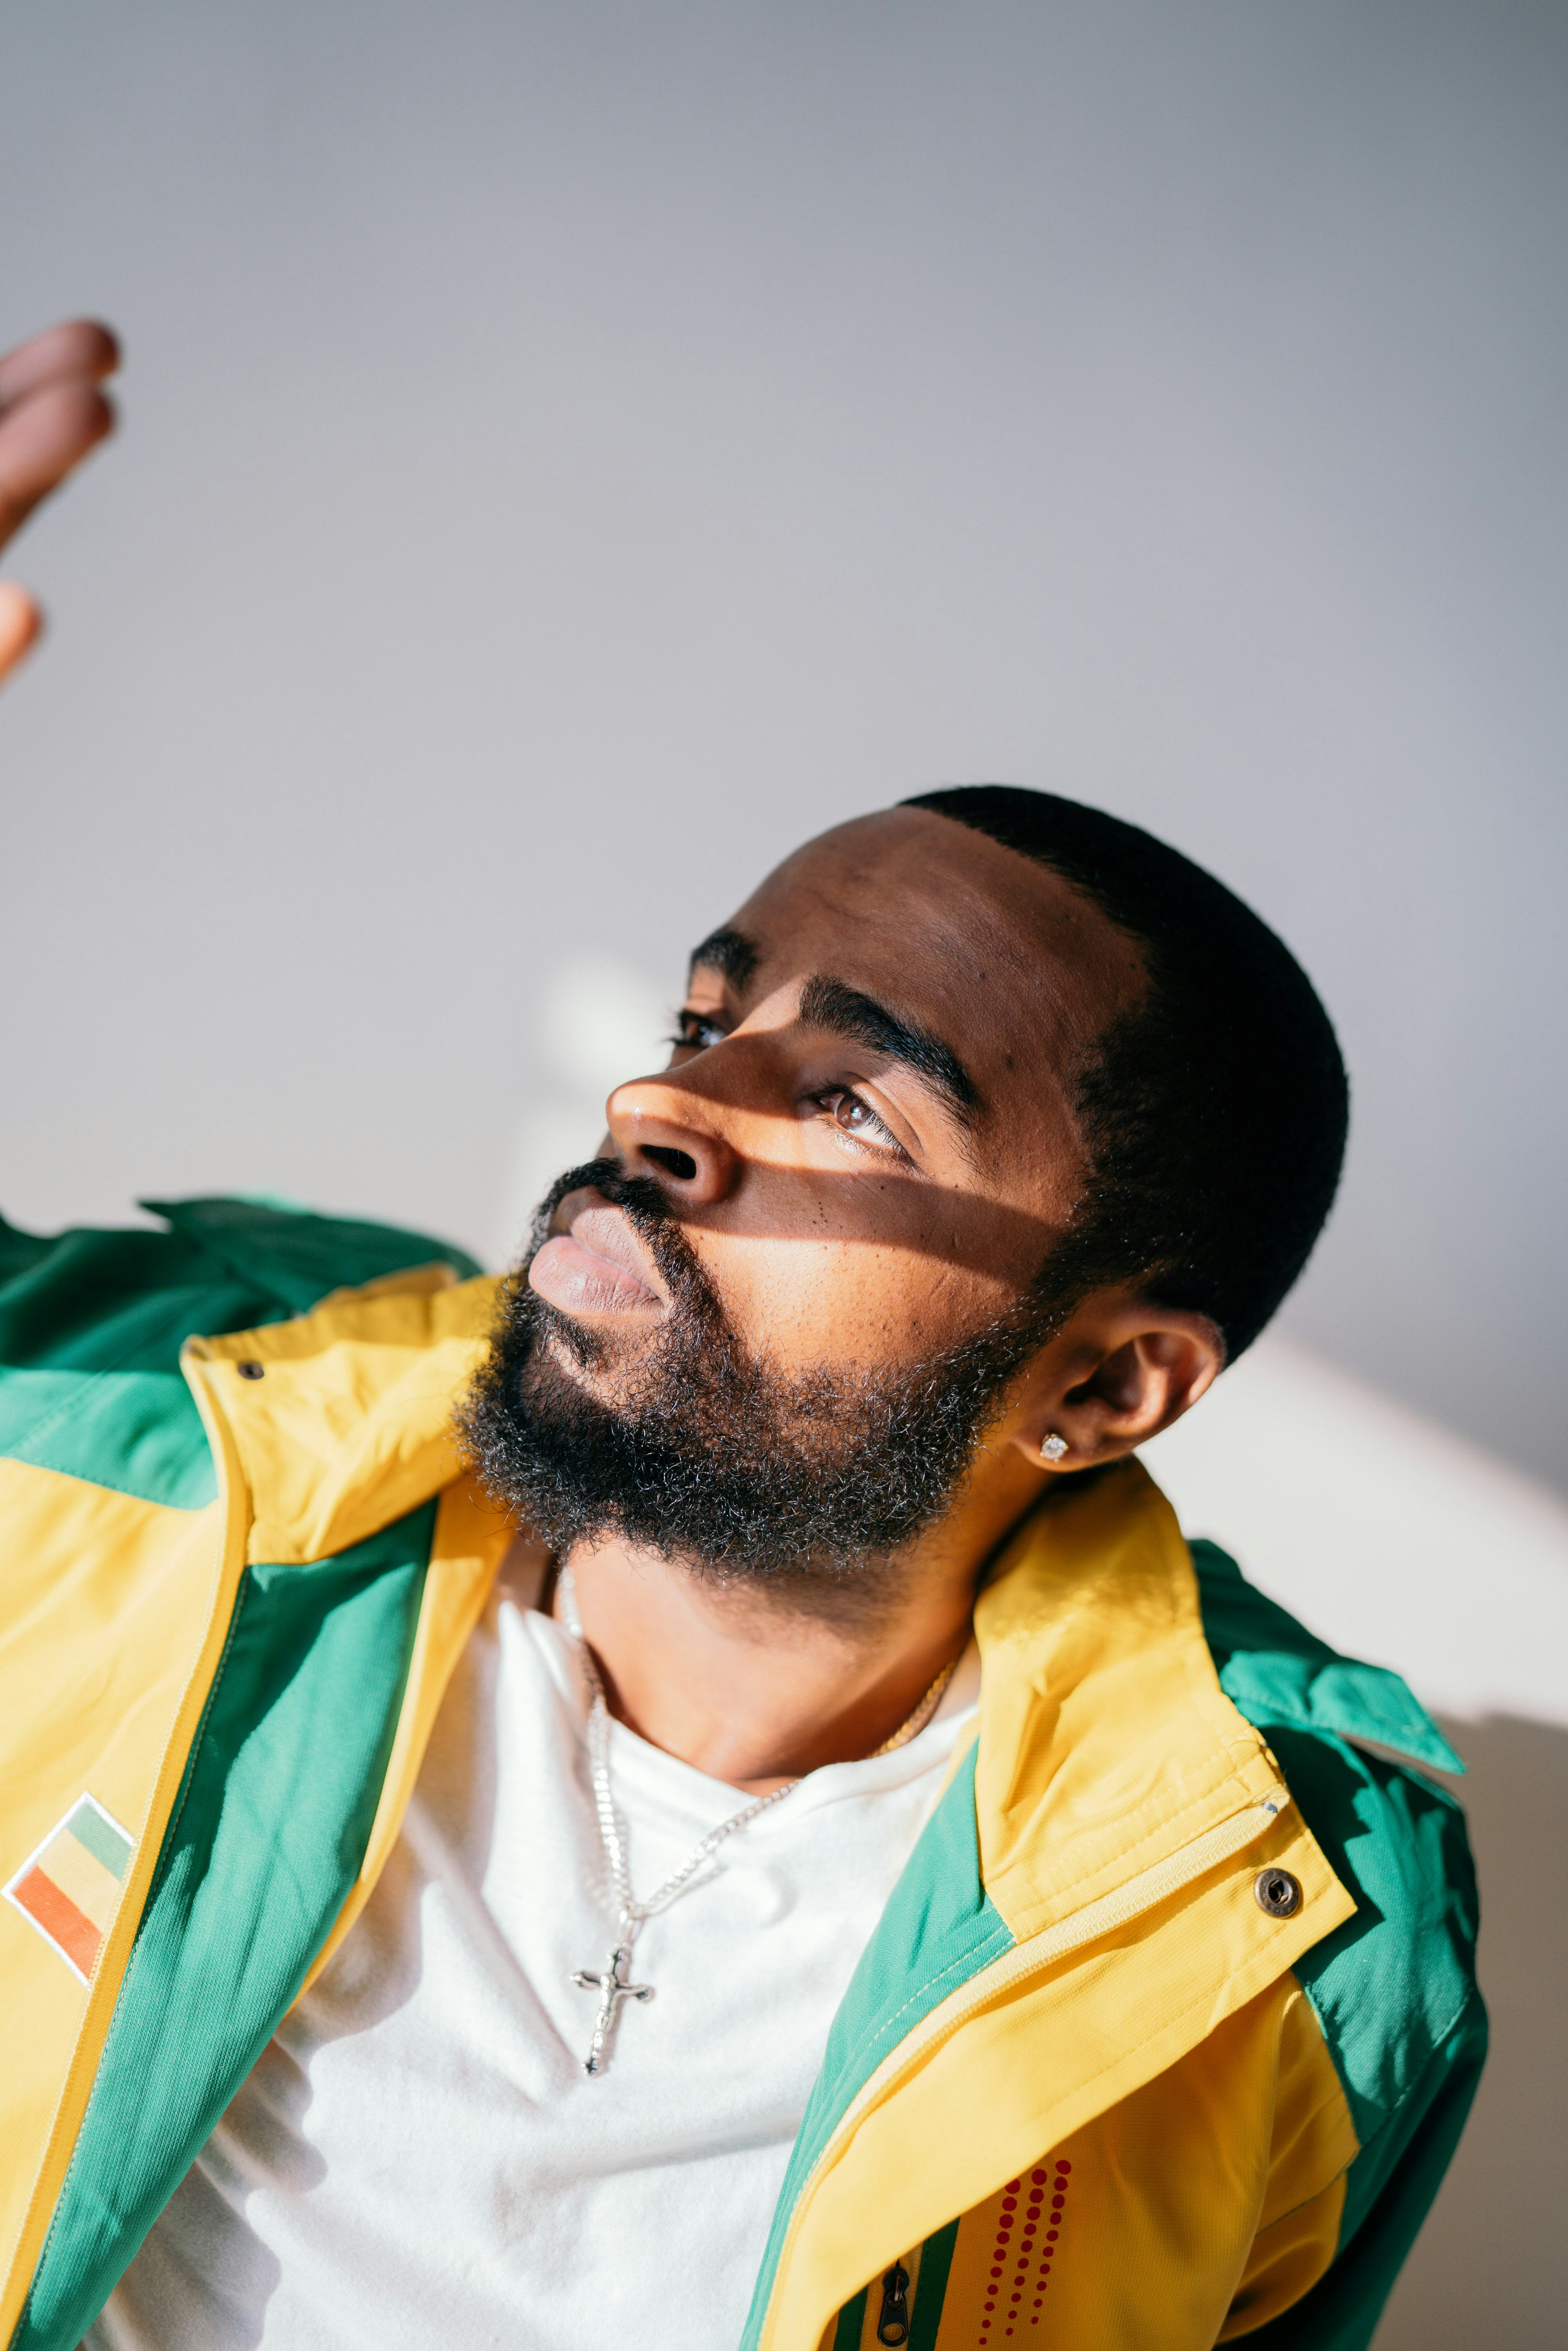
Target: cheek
(840, 1298)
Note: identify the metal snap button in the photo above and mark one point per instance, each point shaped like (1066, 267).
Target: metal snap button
(1277, 1893)
(258, 1372)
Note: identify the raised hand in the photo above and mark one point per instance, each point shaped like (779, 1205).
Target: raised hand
(51, 414)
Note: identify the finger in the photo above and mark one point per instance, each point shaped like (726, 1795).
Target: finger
(41, 439)
(20, 622)
(80, 351)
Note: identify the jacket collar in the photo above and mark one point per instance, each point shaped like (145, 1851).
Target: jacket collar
(1105, 1742)
(336, 1423)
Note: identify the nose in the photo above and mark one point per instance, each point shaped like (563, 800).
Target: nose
(660, 1129)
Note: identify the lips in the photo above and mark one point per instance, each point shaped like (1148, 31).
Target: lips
(596, 1266)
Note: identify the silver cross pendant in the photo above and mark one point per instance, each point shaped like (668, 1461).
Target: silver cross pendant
(612, 1990)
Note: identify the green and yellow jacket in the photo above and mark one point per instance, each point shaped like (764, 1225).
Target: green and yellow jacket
(1165, 2038)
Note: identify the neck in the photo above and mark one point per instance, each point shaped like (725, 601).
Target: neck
(757, 1689)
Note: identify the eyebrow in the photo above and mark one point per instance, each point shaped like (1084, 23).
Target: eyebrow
(729, 953)
(846, 1012)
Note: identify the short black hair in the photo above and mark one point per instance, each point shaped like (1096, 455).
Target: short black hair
(1214, 1112)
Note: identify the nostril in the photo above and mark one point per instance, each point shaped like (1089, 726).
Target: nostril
(679, 1164)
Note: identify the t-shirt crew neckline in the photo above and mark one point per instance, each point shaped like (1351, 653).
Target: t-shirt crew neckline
(640, 1770)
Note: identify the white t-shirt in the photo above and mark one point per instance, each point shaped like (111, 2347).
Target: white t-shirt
(419, 2159)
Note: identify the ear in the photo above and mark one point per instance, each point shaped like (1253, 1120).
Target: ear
(1118, 1373)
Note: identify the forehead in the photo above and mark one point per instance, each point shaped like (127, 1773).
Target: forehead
(1001, 957)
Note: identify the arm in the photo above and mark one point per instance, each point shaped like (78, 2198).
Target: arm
(51, 414)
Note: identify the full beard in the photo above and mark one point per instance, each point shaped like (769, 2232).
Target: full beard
(800, 1483)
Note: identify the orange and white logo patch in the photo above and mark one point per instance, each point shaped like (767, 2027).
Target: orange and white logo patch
(68, 1888)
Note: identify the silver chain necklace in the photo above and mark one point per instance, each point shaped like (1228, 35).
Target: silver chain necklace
(610, 1982)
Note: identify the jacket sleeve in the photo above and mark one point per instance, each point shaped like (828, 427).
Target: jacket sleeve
(1307, 2287)
(1393, 1991)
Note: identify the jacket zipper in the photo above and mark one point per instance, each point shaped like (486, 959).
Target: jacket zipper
(893, 2327)
(1086, 1926)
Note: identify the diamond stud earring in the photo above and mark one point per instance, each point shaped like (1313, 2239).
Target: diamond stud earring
(1053, 1448)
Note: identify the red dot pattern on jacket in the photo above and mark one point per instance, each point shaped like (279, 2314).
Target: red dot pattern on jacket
(1029, 2228)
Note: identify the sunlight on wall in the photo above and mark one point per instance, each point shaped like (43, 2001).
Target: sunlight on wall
(1389, 1535)
(603, 1021)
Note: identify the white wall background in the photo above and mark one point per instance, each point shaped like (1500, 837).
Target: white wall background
(574, 451)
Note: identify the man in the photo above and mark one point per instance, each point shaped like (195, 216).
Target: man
(697, 1796)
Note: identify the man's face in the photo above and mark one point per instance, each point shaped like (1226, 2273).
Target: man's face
(866, 1131)
(766, 1331)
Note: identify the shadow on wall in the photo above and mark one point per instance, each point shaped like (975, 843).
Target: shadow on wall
(1490, 2268)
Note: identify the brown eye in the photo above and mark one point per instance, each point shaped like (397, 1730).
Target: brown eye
(853, 1117)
